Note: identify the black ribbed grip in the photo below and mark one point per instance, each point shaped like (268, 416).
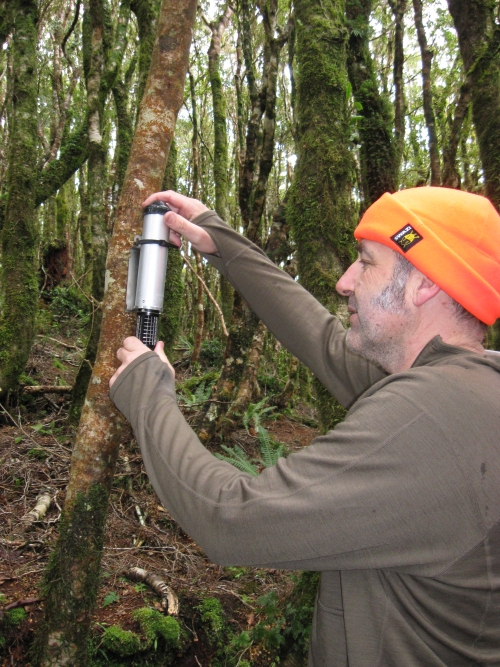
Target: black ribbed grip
(147, 327)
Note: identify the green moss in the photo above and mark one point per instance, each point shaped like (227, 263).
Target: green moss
(14, 617)
(71, 579)
(121, 642)
(212, 617)
(155, 625)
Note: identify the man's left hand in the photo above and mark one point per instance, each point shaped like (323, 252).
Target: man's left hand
(133, 348)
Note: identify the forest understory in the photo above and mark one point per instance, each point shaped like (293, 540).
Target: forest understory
(227, 615)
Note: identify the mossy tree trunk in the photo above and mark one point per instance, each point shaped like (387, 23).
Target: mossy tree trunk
(430, 120)
(479, 42)
(170, 319)
(20, 231)
(379, 169)
(399, 9)
(320, 209)
(101, 64)
(253, 179)
(221, 178)
(72, 576)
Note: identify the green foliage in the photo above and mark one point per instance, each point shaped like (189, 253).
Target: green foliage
(38, 453)
(212, 353)
(199, 397)
(255, 412)
(238, 458)
(68, 303)
(110, 598)
(270, 451)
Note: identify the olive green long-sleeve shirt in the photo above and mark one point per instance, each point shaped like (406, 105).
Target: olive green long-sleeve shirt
(398, 507)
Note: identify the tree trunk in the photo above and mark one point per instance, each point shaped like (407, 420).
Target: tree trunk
(170, 319)
(20, 232)
(320, 209)
(218, 28)
(379, 169)
(430, 120)
(451, 176)
(71, 579)
(479, 41)
(398, 9)
(254, 176)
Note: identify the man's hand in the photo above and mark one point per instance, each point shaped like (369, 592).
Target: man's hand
(133, 348)
(184, 209)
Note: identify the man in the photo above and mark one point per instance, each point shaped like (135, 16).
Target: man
(399, 506)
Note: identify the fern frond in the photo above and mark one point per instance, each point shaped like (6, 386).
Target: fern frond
(238, 458)
(270, 452)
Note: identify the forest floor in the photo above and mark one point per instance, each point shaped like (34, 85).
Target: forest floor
(35, 445)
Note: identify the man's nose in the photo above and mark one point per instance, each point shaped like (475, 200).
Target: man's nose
(345, 285)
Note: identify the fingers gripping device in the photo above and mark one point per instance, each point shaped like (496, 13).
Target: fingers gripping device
(147, 268)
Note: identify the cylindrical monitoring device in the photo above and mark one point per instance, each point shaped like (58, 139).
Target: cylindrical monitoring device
(147, 270)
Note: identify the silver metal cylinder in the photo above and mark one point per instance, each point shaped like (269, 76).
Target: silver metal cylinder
(152, 264)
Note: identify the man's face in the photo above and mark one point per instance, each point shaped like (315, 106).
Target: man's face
(379, 315)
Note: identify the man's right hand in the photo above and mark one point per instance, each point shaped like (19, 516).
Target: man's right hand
(184, 209)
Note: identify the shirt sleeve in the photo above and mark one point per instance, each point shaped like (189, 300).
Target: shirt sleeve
(374, 493)
(293, 315)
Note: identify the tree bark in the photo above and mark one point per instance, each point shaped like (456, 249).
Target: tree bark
(71, 579)
(451, 176)
(20, 230)
(399, 9)
(430, 120)
(254, 175)
(320, 209)
(479, 42)
(379, 169)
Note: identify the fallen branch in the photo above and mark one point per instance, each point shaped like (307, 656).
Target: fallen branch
(47, 389)
(21, 603)
(169, 600)
(70, 347)
(210, 296)
(39, 511)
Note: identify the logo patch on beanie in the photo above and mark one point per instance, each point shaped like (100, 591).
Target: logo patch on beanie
(407, 237)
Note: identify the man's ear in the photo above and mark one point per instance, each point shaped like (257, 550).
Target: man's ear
(423, 289)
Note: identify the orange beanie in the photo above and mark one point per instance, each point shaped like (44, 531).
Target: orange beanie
(452, 237)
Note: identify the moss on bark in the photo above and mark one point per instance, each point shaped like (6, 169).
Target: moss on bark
(377, 155)
(20, 230)
(320, 209)
(69, 599)
(479, 41)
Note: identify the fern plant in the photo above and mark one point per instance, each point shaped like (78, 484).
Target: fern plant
(270, 453)
(238, 458)
(255, 412)
(198, 397)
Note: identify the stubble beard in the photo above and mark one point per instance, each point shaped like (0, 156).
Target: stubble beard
(387, 348)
